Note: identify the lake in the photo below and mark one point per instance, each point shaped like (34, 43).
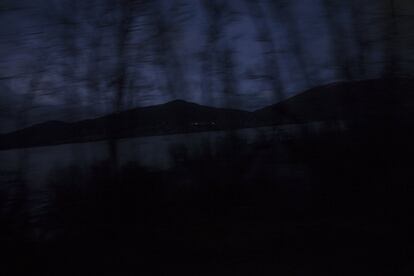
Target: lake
(153, 152)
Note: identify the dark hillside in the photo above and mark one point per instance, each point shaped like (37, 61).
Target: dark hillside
(359, 100)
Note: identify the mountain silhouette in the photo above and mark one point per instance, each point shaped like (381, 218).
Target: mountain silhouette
(173, 117)
(376, 100)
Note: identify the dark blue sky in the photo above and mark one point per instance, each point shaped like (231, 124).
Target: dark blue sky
(30, 36)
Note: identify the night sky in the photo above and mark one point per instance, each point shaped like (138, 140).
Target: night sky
(31, 42)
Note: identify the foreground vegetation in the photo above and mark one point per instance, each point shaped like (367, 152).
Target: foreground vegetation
(334, 204)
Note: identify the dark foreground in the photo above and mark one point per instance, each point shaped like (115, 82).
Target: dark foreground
(337, 204)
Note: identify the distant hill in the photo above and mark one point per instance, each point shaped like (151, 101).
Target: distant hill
(371, 100)
(376, 99)
(173, 117)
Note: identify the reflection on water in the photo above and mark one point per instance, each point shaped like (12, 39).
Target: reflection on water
(153, 152)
